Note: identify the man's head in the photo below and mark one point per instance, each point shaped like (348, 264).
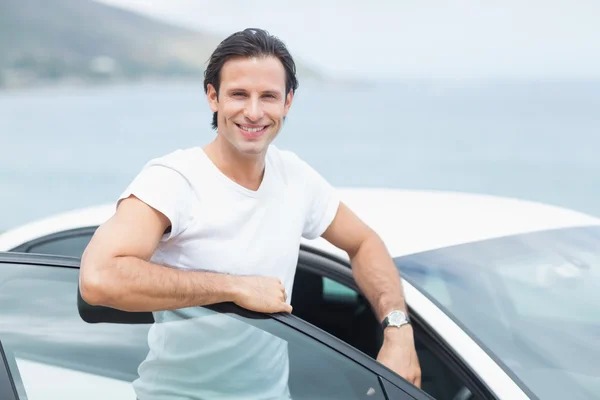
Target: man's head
(250, 82)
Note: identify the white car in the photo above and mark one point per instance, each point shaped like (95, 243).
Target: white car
(503, 295)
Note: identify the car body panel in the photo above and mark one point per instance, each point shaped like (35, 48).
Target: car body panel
(80, 218)
(409, 221)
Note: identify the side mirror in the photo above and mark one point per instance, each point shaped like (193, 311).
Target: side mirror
(97, 314)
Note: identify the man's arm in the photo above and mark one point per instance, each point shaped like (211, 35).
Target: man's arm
(378, 278)
(116, 271)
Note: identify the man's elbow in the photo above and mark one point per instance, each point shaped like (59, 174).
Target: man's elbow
(94, 284)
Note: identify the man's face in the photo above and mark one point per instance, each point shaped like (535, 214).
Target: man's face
(251, 103)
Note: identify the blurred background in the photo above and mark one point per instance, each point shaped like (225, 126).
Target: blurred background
(495, 97)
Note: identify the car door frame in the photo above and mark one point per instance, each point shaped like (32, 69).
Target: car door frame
(385, 376)
(330, 266)
(27, 246)
(8, 387)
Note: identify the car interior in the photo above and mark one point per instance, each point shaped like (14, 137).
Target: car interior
(346, 314)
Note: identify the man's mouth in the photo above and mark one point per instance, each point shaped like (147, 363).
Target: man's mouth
(252, 131)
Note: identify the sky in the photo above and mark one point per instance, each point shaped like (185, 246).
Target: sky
(413, 39)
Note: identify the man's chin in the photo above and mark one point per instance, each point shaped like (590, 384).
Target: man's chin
(252, 148)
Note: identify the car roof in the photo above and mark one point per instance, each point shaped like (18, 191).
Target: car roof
(413, 221)
(409, 221)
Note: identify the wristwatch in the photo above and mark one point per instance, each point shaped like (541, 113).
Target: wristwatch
(395, 318)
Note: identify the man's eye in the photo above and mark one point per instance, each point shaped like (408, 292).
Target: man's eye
(238, 93)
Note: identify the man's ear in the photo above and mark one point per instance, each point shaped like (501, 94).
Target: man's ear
(288, 102)
(213, 97)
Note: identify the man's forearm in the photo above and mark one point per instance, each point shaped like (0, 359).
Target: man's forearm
(378, 277)
(132, 284)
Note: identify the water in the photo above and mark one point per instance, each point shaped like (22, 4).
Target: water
(67, 148)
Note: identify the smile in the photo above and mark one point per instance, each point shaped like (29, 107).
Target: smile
(252, 132)
(252, 129)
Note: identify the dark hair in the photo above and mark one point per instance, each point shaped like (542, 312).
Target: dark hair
(247, 44)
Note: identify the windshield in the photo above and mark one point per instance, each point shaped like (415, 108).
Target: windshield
(532, 300)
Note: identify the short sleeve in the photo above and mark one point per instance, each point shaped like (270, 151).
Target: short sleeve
(322, 203)
(167, 191)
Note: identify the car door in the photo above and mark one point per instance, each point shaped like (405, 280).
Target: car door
(326, 295)
(40, 326)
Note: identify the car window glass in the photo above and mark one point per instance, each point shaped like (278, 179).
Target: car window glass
(337, 309)
(336, 291)
(437, 378)
(72, 246)
(264, 359)
(359, 328)
(40, 324)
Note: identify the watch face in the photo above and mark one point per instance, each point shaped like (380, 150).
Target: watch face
(397, 318)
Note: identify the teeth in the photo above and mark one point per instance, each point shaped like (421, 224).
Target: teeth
(251, 130)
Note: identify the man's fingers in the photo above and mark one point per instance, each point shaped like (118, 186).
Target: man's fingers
(416, 381)
(417, 373)
(280, 307)
(414, 377)
(418, 378)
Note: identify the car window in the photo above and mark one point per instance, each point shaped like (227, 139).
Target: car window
(71, 246)
(359, 327)
(40, 324)
(333, 290)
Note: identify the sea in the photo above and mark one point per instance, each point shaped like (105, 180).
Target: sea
(71, 147)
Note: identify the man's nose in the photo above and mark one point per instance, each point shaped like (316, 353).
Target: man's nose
(253, 111)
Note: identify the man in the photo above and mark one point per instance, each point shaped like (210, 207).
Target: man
(223, 223)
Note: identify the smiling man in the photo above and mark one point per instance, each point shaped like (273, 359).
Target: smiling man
(223, 223)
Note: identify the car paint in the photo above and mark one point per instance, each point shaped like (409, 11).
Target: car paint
(409, 221)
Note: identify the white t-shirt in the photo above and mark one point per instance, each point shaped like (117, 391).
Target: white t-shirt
(221, 226)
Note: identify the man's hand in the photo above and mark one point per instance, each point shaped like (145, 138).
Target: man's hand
(262, 294)
(398, 353)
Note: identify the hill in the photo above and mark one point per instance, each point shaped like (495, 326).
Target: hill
(50, 41)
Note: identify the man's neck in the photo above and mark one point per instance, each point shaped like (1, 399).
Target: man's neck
(247, 171)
